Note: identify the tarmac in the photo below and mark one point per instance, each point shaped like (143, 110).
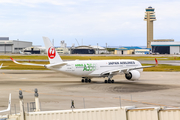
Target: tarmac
(56, 90)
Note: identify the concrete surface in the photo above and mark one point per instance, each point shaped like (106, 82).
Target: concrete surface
(56, 90)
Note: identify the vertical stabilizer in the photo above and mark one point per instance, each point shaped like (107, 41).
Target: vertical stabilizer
(51, 52)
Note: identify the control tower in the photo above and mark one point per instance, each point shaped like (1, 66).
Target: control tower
(149, 17)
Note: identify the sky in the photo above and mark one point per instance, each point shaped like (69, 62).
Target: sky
(115, 22)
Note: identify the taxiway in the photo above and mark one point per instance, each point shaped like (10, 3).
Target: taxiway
(56, 90)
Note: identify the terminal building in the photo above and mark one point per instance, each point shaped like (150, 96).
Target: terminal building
(12, 46)
(166, 47)
(35, 50)
(131, 50)
(63, 48)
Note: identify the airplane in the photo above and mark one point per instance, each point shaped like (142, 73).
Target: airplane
(25, 53)
(9, 105)
(88, 69)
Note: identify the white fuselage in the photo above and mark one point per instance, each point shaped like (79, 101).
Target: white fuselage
(94, 68)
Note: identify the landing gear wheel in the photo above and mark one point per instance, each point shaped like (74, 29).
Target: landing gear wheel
(82, 80)
(89, 80)
(112, 81)
(105, 81)
(86, 80)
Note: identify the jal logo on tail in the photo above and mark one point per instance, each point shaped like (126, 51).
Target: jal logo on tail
(51, 52)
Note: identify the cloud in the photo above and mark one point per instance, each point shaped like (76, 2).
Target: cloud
(100, 20)
(35, 2)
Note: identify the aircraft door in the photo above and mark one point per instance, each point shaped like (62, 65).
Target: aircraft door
(97, 66)
(70, 67)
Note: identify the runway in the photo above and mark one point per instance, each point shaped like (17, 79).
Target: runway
(56, 90)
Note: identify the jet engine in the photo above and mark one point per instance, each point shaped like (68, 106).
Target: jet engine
(132, 75)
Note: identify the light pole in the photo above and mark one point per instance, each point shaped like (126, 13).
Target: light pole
(106, 48)
(97, 49)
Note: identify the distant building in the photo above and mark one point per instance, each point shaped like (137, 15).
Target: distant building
(62, 50)
(131, 50)
(35, 50)
(63, 44)
(88, 50)
(141, 51)
(4, 38)
(99, 49)
(12, 46)
(163, 40)
(83, 50)
(165, 47)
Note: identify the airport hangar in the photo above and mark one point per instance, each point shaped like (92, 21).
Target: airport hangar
(12, 46)
(88, 50)
(131, 50)
(165, 47)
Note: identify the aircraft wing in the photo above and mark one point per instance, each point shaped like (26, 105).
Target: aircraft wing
(53, 66)
(26, 63)
(9, 105)
(125, 70)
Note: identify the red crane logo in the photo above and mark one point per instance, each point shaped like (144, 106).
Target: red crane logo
(51, 52)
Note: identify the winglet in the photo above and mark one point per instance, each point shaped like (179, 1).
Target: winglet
(156, 61)
(12, 59)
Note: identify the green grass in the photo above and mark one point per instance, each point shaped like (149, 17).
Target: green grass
(25, 57)
(11, 65)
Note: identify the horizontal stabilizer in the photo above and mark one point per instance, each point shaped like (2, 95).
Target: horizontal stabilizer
(26, 63)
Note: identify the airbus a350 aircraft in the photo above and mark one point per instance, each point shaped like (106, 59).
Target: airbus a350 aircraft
(88, 69)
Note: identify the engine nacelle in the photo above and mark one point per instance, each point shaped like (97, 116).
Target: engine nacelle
(132, 75)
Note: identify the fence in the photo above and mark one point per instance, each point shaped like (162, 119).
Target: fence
(115, 113)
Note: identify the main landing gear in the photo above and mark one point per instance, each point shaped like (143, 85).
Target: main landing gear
(86, 80)
(109, 81)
